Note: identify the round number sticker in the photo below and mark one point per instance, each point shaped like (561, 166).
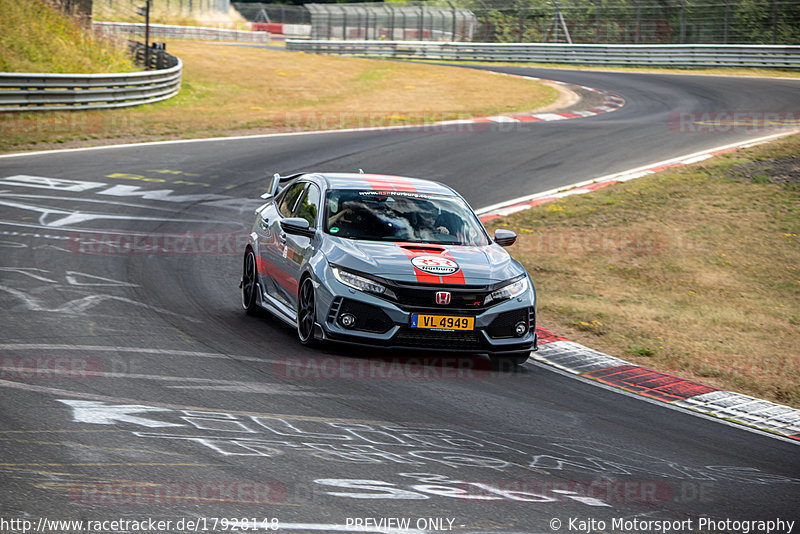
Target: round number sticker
(435, 264)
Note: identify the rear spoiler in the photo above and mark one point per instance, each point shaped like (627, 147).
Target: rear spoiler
(273, 186)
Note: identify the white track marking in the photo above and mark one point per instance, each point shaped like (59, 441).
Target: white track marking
(100, 413)
(81, 305)
(137, 350)
(630, 173)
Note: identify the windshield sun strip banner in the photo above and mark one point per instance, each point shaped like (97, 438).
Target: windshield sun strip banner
(379, 182)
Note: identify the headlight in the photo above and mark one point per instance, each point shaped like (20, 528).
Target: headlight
(514, 289)
(357, 282)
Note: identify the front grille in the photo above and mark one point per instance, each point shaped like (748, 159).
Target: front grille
(368, 318)
(503, 324)
(434, 339)
(420, 296)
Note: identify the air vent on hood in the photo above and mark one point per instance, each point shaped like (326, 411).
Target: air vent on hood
(424, 249)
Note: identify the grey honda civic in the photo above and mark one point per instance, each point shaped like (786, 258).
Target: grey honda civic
(389, 261)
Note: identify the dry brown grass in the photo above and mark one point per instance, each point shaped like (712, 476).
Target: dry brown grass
(35, 37)
(694, 271)
(240, 90)
(166, 13)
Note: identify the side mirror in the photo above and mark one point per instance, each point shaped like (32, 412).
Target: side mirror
(297, 226)
(272, 186)
(504, 238)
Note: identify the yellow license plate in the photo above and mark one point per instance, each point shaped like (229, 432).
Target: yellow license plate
(442, 322)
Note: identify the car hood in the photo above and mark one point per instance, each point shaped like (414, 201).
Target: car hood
(473, 265)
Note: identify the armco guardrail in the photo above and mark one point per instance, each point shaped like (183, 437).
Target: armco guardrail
(786, 57)
(169, 31)
(54, 92)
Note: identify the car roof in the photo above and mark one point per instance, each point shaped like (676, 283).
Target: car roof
(384, 182)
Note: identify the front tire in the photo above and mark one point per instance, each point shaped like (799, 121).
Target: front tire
(250, 284)
(306, 312)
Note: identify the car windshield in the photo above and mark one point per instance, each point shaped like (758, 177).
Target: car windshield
(402, 216)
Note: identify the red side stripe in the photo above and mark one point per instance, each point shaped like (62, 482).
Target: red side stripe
(266, 268)
(261, 267)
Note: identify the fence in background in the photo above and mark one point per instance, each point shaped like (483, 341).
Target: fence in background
(56, 92)
(392, 21)
(639, 21)
(275, 13)
(370, 20)
(787, 57)
(565, 21)
(162, 31)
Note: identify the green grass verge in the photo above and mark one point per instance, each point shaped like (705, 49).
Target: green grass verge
(694, 270)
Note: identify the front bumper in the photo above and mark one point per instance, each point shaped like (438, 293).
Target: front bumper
(380, 322)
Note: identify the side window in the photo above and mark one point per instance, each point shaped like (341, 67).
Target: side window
(309, 206)
(288, 198)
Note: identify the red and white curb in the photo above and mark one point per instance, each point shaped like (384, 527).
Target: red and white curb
(574, 358)
(611, 102)
(508, 207)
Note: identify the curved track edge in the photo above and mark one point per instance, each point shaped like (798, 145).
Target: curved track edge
(559, 352)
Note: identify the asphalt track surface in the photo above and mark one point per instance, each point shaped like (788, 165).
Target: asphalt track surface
(133, 386)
